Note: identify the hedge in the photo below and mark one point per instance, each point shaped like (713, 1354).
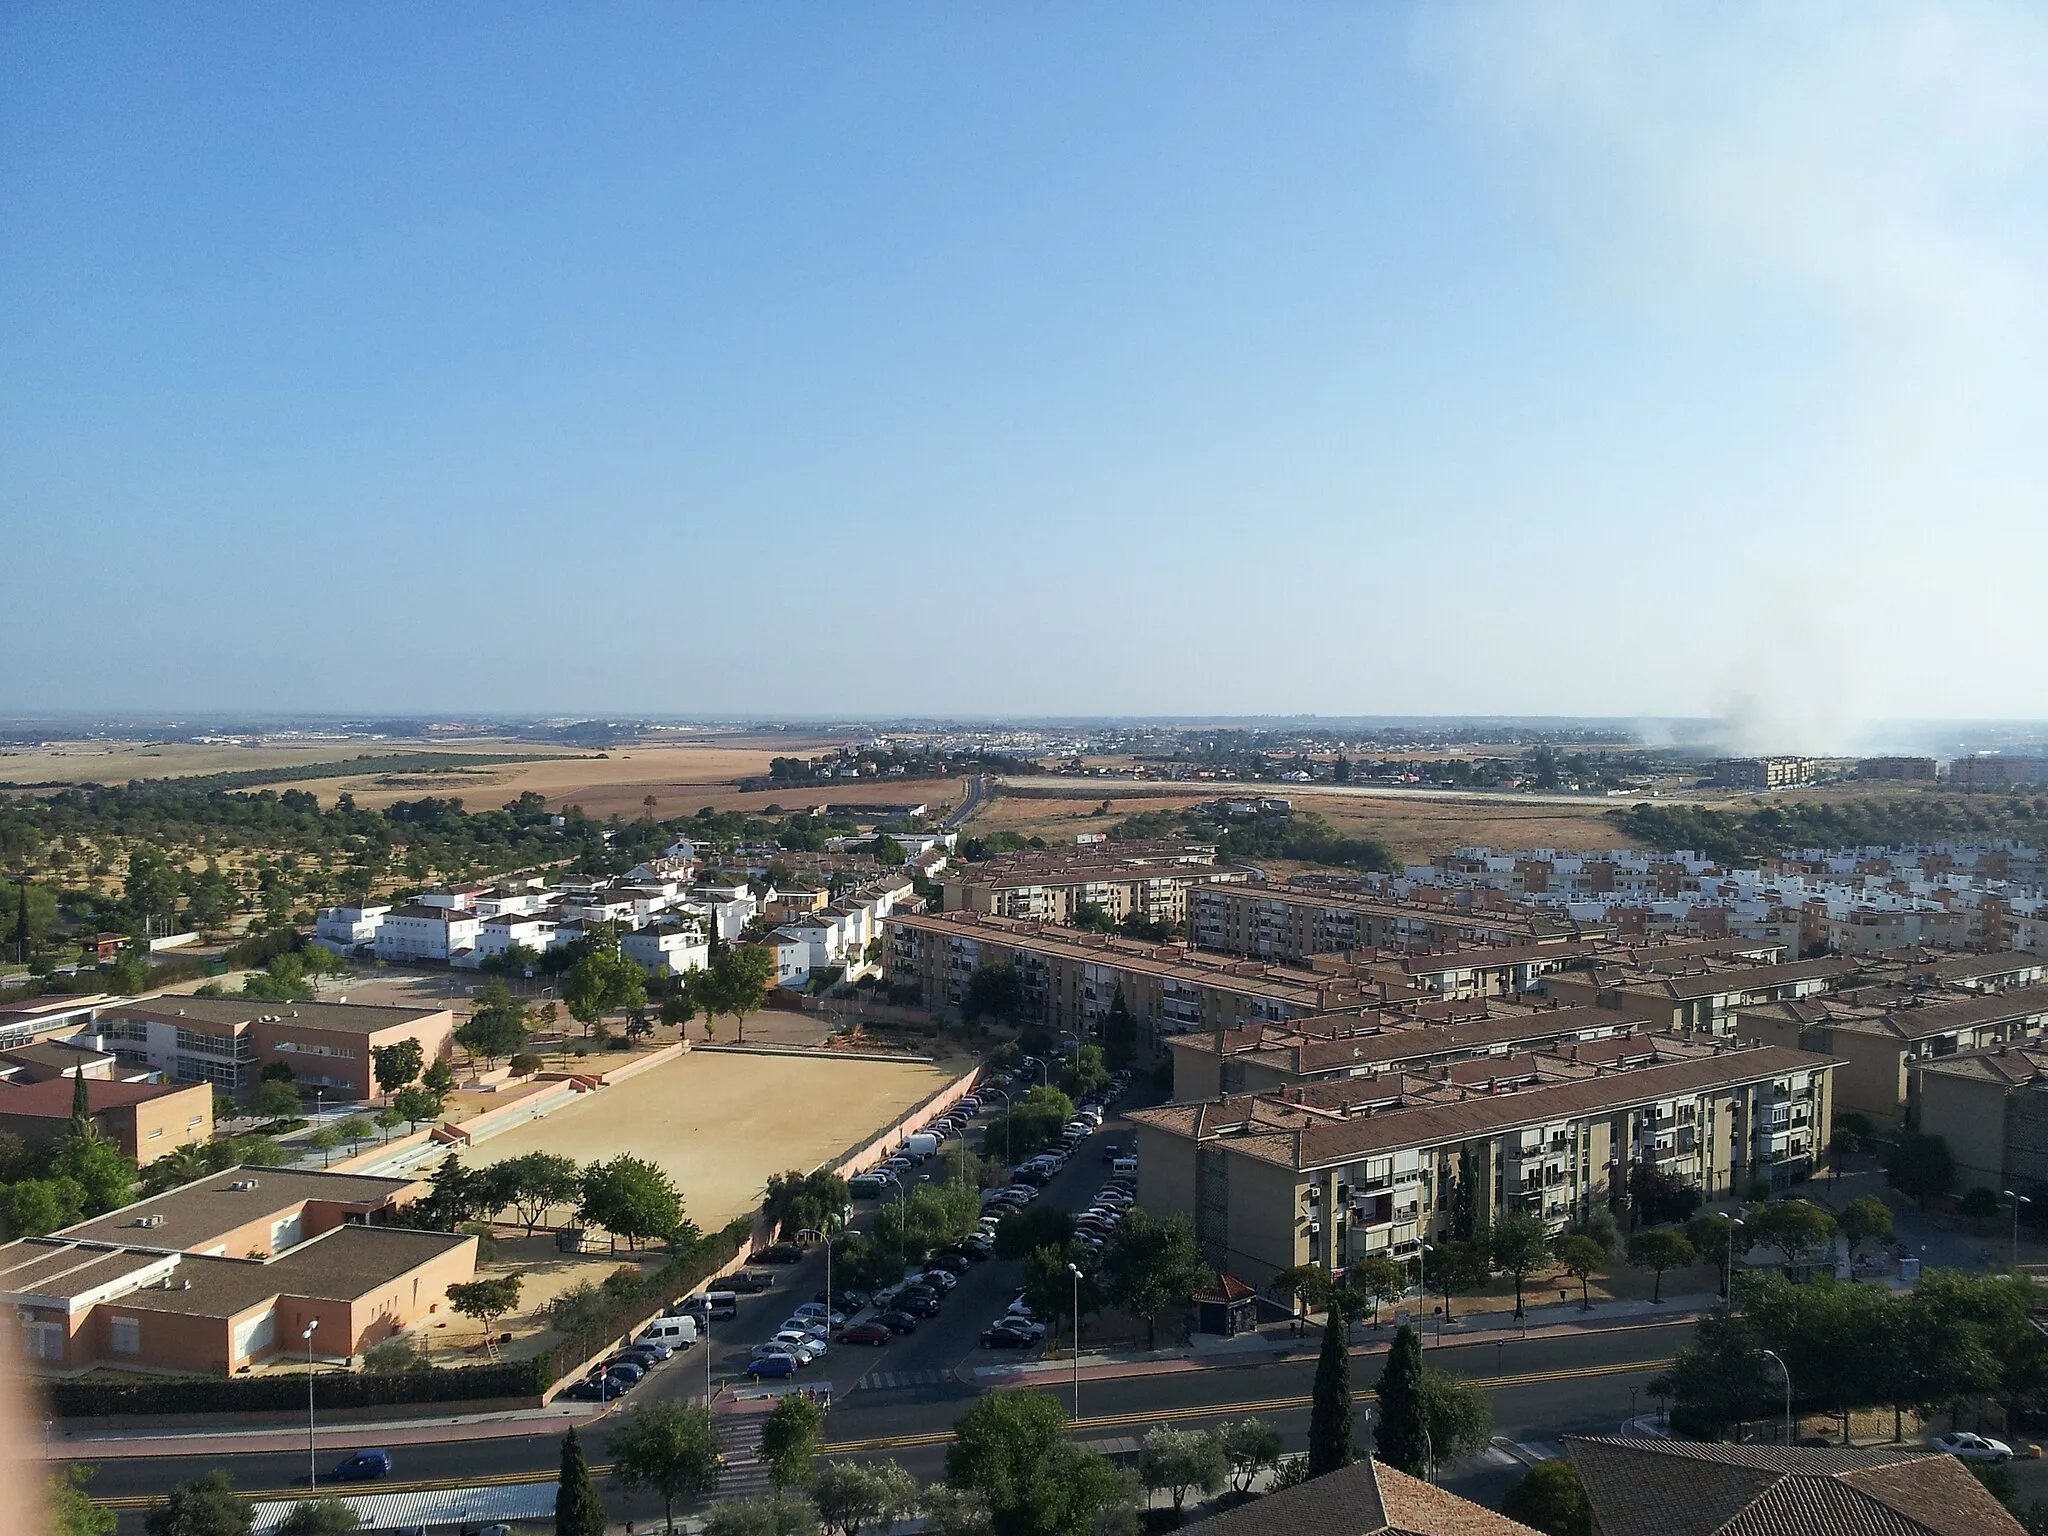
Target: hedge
(331, 1389)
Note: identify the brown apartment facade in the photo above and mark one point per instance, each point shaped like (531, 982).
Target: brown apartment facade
(226, 1042)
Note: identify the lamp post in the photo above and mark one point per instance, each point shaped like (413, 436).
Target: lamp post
(312, 1456)
(2017, 1200)
(1728, 1259)
(1076, 1273)
(1008, 1127)
(1774, 1355)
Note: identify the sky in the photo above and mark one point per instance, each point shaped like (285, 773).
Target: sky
(1057, 359)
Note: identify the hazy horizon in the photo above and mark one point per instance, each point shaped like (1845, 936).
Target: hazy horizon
(1473, 360)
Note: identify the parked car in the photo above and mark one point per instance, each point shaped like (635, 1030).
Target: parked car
(770, 1366)
(875, 1333)
(953, 1261)
(818, 1309)
(940, 1279)
(362, 1466)
(802, 1340)
(1973, 1447)
(638, 1355)
(591, 1391)
(918, 1304)
(1000, 1337)
(848, 1302)
(626, 1370)
(748, 1281)
(783, 1253)
(897, 1321)
(1030, 1325)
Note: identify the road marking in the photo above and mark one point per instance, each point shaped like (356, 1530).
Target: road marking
(942, 1436)
(882, 1381)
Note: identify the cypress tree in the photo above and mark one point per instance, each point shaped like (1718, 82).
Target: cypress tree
(1329, 1414)
(578, 1509)
(1401, 1437)
(81, 1104)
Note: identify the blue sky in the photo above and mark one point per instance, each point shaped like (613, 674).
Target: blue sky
(1146, 359)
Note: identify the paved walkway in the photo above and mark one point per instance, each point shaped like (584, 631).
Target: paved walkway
(83, 1443)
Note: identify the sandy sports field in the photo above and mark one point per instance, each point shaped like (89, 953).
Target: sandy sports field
(721, 1124)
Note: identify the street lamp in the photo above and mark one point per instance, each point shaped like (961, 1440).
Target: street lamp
(2017, 1200)
(1728, 1259)
(1774, 1355)
(312, 1456)
(1009, 1139)
(1076, 1273)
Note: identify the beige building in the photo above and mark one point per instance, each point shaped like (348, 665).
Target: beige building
(1704, 998)
(1055, 888)
(145, 1120)
(1880, 1034)
(1293, 923)
(226, 1042)
(228, 1271)
(1332, 1172)
(1991, 1107)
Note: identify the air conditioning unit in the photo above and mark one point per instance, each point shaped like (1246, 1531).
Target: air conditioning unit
(149, 1221)
(243, 1184)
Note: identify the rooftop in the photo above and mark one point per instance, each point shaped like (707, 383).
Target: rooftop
(207, 1209)
(52, 1098)
(1367, 1498)
(228, 1012)
(339, 1265)
(1675, 1488)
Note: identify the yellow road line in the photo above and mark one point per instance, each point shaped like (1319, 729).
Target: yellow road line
(941, 1436)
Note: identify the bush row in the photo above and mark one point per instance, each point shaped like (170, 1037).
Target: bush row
(332, 1389)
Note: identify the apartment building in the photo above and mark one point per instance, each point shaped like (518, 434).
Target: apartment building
(1763, 772)
(1332, 1172)
(226, 1042)
(1491, 970)
(1996, 772)
(1991, 1108)
(1269, 1056)
(421, 933)
(667, 947)
(1880, 1035)
(350, 928)
(145, 1120)
(1705, 1000)
(1071, 978)
(230, 1270)
(1291, 924)
(1053, 888)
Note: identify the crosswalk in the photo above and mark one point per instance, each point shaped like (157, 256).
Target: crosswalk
(883, 1380)
(744, 1475)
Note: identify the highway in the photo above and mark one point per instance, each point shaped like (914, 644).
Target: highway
(914, 1389)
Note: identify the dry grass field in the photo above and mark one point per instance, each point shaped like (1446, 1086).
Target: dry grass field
(1417, 830)
(721, 1124)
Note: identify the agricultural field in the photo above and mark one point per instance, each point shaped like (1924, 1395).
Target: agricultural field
(721, 1123)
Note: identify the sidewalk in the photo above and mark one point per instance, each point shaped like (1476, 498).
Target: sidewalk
(1274, 1343)
(83, 1444)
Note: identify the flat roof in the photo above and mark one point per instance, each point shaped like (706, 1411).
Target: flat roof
(206, 1210)
(339, 1265)
(218, 1012)
(63, 1271)
(52, 1098)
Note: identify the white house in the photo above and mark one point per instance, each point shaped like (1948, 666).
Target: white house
(420, 933)
(534, 931)
(345, 929)
(792, 959)
(670, 946)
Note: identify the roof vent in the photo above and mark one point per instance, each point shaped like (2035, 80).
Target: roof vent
(151, 1220)
(243, 1184)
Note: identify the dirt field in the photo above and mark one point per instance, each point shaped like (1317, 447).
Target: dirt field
(1416, 830)
(720, 1124)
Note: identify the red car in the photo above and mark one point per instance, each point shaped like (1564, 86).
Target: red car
(876, 1334)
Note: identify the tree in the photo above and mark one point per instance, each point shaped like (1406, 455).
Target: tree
(439, 1078)
(1252, 1445)
(1012, 1448)
(36, 1206)
(578, 1509)
(276, 1100)
(496, 1027)
(207, 1506)
(994, 991)
(485, 1300)
(1050, 1288)
(1308, 1284)
(1086, 1075)
(603, 982)
(670, 1448)
(789, 1440)
(324, 1516)
(71, 1512)
(804, 1202)
(1521, 1243)
(1655, 1197)
(103, 1173)
(780, 1515)
(955, 1512)
(129, 973)
(1660, 1250)
(1460, 1417)
(850, 1496)
(81, 1099)
(1151, 1264)
(417, 1104)
(1550, 1498)
(1581, 1257)
(739, 980)
(1979, 1203)
(324, 1140)
(1920, 1167)
(396, 1356)
(1119, 1032)
(355, 1130)
(1714, 1238)
(1720, 1380)
(680, 1006)
(1378, 1279)
(1182, 1461)
(1329, 1415)
(1866, 1219)
(1401, 1434)
(632, 1198)
(387, 1120)
(1448, 1268)
(1798, 1228)
(533, 1183)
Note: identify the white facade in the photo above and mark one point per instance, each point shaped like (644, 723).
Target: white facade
(666, 947)
(413, 933)
(342, 929)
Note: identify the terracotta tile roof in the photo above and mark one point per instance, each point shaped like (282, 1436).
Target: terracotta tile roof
(1672, 1488)
(1367, 1498)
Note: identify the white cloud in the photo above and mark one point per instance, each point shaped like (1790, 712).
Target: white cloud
(1878, 172)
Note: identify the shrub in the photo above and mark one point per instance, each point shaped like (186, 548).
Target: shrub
(87, 1398)
(525, 1064)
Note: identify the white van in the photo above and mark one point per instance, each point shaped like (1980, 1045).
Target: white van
(921, 1146)
(675, 1332)
(1124, 1168)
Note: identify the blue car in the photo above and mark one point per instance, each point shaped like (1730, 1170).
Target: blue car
(362, 1466)
(771, 1365)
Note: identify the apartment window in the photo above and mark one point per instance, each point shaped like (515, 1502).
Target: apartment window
(43, 1341)
(125, 1336)
(157, 1134)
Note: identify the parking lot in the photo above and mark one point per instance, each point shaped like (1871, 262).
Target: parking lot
(927, 1362)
